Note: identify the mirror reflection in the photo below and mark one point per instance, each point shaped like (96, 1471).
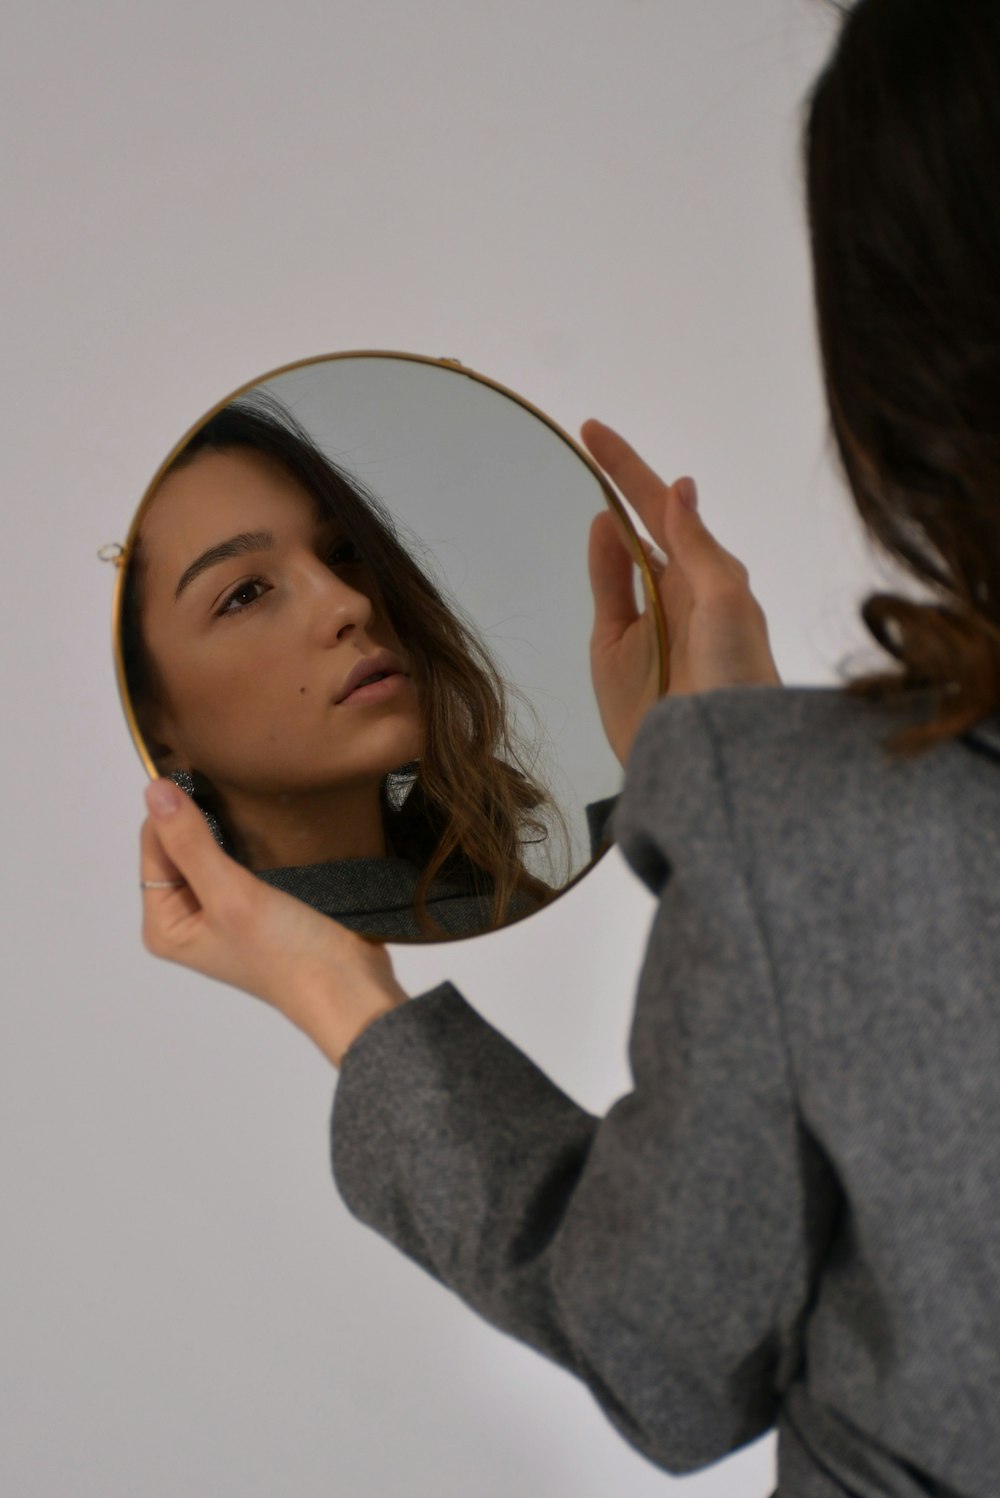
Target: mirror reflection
(353, 624)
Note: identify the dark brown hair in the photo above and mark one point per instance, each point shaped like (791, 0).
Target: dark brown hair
(473, 802)
(900, 150)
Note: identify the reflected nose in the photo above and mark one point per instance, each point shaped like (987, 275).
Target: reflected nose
(340, 609)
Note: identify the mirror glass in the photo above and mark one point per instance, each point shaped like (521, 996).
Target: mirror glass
(352, 620)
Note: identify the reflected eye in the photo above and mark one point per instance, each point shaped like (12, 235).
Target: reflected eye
(244, 596)
(345, 554)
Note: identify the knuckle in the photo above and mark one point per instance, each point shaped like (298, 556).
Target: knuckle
(235, 910)
(731, 597)
(757, 610)
(731, 565)
(230, 913)
(152, 940)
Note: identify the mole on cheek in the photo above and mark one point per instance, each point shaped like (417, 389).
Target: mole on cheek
(301, 689)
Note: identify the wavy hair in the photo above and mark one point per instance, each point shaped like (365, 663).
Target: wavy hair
(472, 804)
(900, 151)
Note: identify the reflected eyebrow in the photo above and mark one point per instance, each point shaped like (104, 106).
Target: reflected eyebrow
(236, 546)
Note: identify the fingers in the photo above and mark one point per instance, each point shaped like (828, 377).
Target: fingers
(611, 578)
(166, 909)
(178, 844)
(154, 862)
(678, 529)
(645, 490)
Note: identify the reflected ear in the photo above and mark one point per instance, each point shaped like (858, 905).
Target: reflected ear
(157, 729)
(164, 756)
(165, 760)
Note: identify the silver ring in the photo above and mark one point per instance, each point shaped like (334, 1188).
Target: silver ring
(162, 883)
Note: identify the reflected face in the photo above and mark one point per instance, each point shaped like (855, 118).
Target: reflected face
(262, 620)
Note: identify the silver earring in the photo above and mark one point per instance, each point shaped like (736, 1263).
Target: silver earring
(185, 780)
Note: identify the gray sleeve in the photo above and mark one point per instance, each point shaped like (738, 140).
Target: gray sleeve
(665, 1253)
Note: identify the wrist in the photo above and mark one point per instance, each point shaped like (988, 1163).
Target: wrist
(334, 1008)
(335, 1028)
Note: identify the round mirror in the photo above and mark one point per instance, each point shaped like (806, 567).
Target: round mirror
(352, 620)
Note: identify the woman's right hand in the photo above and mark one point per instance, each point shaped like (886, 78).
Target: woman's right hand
(203, 910)
(716, 629)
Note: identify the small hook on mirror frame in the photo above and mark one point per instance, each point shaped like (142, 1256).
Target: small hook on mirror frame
(114, 552)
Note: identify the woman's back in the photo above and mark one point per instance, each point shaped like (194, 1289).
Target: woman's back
(874, 887)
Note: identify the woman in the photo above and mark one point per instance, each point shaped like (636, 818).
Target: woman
(792, 1220)
(346, 733)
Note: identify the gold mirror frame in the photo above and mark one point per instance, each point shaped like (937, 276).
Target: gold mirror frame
(120, 554)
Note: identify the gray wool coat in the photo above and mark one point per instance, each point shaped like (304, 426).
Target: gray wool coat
(793, 1218)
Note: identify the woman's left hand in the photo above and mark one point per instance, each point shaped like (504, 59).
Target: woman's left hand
(224, 922)
(716, 629)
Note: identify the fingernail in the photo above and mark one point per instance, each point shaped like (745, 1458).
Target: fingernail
(163, 798)
(688, 491)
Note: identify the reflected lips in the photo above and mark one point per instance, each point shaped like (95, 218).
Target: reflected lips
(374, 691)
(374, 679)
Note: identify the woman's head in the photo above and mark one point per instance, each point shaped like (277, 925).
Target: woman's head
(262, 584)
(259, 604)
(900, 150)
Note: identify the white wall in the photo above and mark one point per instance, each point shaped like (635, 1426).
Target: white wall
(596, 202)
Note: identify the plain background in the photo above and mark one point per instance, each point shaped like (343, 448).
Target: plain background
(596, 202)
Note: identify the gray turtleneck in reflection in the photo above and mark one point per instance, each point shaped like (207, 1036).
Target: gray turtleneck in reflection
(376, 895)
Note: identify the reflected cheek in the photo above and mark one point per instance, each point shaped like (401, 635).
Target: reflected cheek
(230, 703)
(245, 716)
